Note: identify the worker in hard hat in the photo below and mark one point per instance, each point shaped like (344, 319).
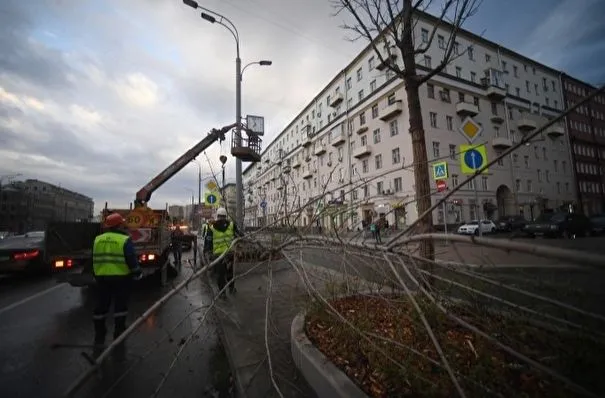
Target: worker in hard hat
(206, 243)
(223, 232)
(114, 264)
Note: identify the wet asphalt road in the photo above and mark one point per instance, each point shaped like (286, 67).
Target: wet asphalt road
(45, 327)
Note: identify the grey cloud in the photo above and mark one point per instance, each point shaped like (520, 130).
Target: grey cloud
(19, 56)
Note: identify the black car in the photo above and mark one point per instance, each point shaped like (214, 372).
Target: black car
(564, 225)
(23, 254)
(510, 223)
(598, 224)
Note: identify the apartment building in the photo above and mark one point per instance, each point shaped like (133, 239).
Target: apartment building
(586, 127)
(348, 154)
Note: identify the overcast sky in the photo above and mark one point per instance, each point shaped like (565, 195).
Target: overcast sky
(99, 96)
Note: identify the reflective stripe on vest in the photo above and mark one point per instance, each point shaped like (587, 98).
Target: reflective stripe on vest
(222, 240)
(108, 255)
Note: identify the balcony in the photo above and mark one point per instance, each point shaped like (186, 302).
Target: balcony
(338, 138)
(279, 187)
(278, 160)
(308, 157)
(286, 169)
(267, 160)
(362, 151)
(555, 131)
(497, 119)
(501, 143)
(336, 99)
(525, 124)
(387, 60)
(320, 150)
(307, 174)
(295, 164)
(391, 110)
(494, 84)
(466, 109)
(362, 129)
(306, 142)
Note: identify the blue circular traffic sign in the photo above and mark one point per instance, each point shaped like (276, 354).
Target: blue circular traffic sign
(211, 199)
(473, 159)
(263, 204)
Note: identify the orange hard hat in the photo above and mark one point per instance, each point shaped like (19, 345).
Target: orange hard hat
(114, 220)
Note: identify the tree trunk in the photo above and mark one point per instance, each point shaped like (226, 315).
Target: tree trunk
(421, 168)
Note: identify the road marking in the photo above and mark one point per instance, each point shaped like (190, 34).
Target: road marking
(30, 298)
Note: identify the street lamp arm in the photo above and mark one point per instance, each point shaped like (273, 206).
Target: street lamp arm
(229, 26)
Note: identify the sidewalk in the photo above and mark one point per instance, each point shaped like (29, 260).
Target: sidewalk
(242, 320)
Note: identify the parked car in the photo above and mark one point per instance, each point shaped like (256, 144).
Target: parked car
(472, 228)
(23, 253)
(598, 224)
(6, 234)
(564, 225)
(510, 223)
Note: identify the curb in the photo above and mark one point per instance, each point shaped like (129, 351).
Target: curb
(321, 374)
(241, 391)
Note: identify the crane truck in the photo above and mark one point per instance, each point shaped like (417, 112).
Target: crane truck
(148, 228)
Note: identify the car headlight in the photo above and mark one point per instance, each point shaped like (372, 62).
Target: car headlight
(554, 226)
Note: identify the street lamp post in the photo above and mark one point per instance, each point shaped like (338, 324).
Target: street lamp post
(226, 23)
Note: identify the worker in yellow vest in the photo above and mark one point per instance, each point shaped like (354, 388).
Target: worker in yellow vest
(221, 233)
(115, 264)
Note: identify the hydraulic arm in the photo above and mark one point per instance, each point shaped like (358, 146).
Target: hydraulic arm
(144, 194)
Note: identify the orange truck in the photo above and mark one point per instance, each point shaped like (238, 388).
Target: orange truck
(149, 229)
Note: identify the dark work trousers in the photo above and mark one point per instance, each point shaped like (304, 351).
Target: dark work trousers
(177, 252)
(224, 272)
(110, 289)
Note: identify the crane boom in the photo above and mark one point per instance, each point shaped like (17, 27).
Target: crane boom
(144, 194)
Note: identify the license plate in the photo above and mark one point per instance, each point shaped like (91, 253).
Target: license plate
(4, 258)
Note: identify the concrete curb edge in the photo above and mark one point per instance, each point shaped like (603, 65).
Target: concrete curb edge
(321, 374)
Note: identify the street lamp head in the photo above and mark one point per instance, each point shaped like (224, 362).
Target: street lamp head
(265, 62)
(208, 17)
(223, 159)
(191, 3)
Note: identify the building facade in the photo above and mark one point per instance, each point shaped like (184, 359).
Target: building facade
(30, 205)
(586, 127)
(229, 198)
(349, 153)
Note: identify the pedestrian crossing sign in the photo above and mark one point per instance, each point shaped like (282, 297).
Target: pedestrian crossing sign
(440, 171)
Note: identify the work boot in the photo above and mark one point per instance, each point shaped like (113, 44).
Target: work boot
(119, 327)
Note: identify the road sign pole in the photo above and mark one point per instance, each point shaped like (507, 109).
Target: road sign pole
(445, 218)
(474, 160)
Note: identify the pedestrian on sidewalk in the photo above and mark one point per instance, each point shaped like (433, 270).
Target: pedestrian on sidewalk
(176, 243)
(222, 233)
(375, 229)
(114, 264)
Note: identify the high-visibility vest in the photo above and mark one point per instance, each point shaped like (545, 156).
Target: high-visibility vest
(222, 240)
(108, 255)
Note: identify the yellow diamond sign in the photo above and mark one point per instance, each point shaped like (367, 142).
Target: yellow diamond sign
(211, 185)
(470, 129)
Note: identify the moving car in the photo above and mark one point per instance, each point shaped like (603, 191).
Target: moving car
(510, 223)
(564, 225)
(23, 253)
(472, 227)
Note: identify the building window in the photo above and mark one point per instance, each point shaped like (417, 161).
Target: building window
(526, 161)
(449, 122)
(515, 71)
(373, 85)
(435, 149)
(544, 154)
(430, 91)
(454, 180)
(452, 152)
(556, 165)
(366, 191)
(471, 53)
(378, 161)
(472, 209)
(349, 83)
(558, 187)
(360, 95)
(530, 186)
(515, 159)
(391, 99)
(441, 42)
(458, 72)
(424, 33)
(397, 184)
(471, 184)
(362, 118)
(364, 166)
(394, 128)
(433, 118)
(500, 161)
(566, 187)
(488, 58)
(494, 108)
(484, 183)
(547, 175)
(473, 77)
(371, 63)
(396, 156)
(359, 74)
(427, 61)
(539, 175)
(374, 111)
(376, 134)
(379, 189)
(518, 185)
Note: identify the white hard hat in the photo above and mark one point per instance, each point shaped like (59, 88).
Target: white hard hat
(221, 212)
